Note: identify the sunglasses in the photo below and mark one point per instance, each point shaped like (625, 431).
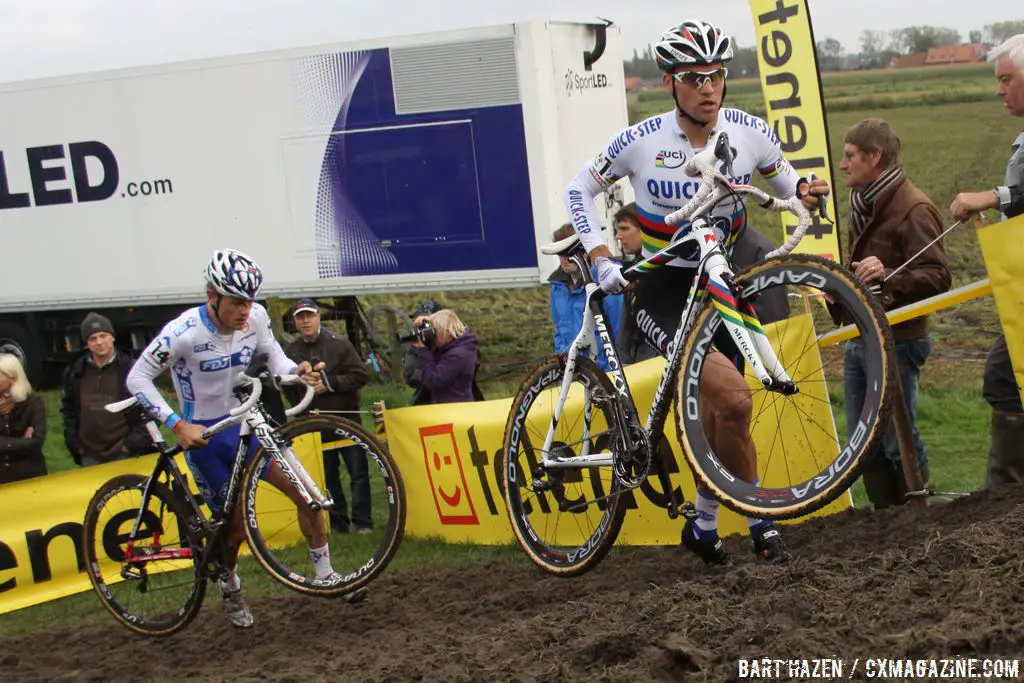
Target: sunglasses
(697, 79)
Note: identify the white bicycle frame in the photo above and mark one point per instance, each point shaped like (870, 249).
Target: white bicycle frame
(746, 333)
(254, 423)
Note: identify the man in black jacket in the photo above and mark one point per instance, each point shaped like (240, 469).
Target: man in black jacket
(342, 376)
(92, 434)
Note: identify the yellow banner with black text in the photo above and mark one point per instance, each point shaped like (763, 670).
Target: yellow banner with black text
(448, 456)
(41, 528)
(793, 97)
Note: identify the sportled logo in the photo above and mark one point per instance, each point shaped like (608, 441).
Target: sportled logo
(669, 158)
(574, 81)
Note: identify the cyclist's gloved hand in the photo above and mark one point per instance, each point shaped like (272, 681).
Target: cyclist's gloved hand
(609, 275)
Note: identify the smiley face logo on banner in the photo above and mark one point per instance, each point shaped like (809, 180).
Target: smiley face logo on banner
(447, 476)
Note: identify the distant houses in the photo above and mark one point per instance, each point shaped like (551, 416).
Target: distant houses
(945, 55)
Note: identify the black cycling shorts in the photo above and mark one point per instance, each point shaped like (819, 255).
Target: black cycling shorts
(658, 303)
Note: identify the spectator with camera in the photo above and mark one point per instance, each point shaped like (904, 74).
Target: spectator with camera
(22, 424)
(342, 375)
(448, 354)
(413, 367)
(92, 434)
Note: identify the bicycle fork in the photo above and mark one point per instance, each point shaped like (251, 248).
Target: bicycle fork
(292, 468)
(584, 340)
(739, 317)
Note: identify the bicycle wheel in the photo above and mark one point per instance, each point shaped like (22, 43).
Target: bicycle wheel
(565, 522)
(375, 527)
(805, 456)
(160, 591)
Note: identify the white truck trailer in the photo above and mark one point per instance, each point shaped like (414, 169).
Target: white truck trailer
(420, 162)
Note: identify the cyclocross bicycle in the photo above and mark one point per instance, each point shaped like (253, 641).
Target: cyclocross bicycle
(149, 549)
(574, 445)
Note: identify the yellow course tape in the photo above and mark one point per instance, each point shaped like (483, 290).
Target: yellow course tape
(938, 302)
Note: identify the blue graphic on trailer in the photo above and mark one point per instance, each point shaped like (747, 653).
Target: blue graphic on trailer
(416, 193)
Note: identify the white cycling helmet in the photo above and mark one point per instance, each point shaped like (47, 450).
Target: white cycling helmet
(692, 42)
(232, 273)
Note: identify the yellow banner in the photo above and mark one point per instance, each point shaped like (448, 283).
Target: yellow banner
(448, 458)
(1003, 251)
(41, 527)
(793, 96)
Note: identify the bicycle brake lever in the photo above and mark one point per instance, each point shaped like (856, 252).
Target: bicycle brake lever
(822, 199)
(724, 152)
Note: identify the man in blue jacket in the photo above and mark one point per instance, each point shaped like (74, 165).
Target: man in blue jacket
(568, 298)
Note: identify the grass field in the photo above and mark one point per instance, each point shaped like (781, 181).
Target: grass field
(955, 136)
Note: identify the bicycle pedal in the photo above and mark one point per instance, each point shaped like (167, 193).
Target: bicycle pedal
(689, 512)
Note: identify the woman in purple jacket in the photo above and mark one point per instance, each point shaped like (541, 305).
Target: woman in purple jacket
(449, 358)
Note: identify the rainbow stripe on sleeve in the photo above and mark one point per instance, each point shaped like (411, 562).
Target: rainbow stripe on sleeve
(773, 169)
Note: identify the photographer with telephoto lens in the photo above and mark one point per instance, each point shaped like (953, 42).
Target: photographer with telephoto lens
(448, 354)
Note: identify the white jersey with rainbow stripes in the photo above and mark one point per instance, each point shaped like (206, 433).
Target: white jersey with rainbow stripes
(653, 154)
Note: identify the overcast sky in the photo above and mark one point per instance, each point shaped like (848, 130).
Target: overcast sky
(52, 37)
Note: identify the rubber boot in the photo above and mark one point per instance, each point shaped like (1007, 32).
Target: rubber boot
(1006, 456)
(884, 487)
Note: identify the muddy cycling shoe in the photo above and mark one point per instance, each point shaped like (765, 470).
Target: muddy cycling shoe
(356, 596)
(711, 551)
(769, 546)
(236, 608)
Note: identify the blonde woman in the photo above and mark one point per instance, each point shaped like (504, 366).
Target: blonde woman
(448, 354)
(22, 424)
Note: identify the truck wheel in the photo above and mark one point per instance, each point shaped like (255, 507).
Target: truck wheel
(15, 340)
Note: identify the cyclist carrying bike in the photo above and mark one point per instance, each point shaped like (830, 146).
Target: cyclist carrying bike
(207, 348)
(652, 154)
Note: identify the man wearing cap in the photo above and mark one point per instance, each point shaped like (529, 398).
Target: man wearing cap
(342, 375)
(92, 434)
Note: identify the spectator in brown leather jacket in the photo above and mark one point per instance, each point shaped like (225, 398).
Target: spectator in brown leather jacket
(22, 424)
(890, 221)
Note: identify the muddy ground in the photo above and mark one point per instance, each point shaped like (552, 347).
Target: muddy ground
(935, 582)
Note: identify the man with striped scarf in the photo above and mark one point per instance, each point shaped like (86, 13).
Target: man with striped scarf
(890, 221)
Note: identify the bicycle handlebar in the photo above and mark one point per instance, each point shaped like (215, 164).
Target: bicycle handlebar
(234, 415)
(306, 399)
(714, 187)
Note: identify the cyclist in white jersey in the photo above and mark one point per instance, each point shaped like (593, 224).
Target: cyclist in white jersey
(653, 154)
(206, 348)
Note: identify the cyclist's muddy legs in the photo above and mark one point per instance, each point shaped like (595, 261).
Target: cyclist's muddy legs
(727, 406)
(311, 522)
(236, 536)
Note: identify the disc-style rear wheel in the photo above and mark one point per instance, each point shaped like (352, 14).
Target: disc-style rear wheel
(364, 528)
(808, 452)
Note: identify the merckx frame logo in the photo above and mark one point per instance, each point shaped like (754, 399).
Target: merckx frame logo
(575, 81)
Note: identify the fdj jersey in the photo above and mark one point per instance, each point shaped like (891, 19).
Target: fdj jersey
(204, 364)
(653, 154)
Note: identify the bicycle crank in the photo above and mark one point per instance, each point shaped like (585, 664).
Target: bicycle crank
(633, 458)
